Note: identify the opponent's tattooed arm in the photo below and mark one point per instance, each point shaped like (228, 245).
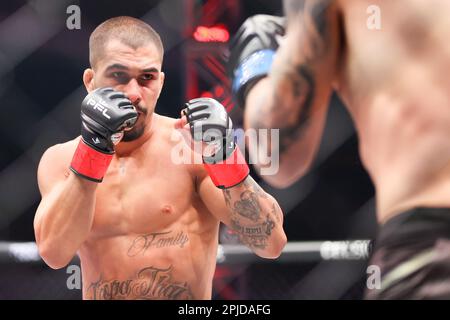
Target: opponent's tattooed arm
(294, 97)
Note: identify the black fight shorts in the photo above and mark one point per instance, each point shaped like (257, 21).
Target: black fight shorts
(412, 254)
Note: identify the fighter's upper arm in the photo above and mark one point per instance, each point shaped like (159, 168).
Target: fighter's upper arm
(53, 167)
(52, 170)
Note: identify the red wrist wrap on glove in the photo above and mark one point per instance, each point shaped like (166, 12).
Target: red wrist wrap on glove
(89, 163)
(229, 173)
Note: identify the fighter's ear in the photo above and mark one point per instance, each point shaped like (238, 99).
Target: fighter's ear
(162, 76)
(88, 79)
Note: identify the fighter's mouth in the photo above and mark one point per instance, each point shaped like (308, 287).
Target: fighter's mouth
(140, 112)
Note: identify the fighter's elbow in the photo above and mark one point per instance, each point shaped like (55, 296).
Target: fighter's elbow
(274, 250)
(287, 175)
(53, 256)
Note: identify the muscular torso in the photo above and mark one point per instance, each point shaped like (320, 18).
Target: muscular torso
(152, 237)
(395, 85)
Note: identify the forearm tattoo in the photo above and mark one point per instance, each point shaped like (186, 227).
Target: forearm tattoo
(252, 225)
(295, 83)
(255, 236)
(301, 84)
(150, 283)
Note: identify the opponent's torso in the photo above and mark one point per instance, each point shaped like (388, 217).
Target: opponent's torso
(152, 237)
(394, 83)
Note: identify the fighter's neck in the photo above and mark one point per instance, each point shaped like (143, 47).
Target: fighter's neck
(124, 149)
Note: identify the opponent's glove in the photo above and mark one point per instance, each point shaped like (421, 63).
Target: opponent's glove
(105, 113)
(251, 52)
(210, 123)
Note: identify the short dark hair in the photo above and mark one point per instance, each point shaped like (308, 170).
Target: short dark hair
(128, 30)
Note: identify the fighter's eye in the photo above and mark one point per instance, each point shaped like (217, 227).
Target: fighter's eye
(118, 74)
(120, 77)
(147, 76)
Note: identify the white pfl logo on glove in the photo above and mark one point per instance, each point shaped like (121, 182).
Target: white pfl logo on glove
(97, 106)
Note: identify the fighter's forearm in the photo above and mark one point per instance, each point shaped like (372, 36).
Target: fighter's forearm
(294, 147)
(256, 218)
(294, 97)
(283, 101)
(64, 219)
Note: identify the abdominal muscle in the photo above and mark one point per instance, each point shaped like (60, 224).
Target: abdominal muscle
(158, 266)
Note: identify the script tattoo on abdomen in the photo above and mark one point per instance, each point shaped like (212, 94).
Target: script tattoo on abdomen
(152, 283)
(157, 240)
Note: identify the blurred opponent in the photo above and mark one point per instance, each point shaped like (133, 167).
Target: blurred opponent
(387, 60)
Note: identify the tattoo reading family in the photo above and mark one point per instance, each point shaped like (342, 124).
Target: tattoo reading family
(226, 309)
(157, 240)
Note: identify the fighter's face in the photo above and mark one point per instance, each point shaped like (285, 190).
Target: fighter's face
(137, 73)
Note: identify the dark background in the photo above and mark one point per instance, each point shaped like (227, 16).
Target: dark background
(41, 65)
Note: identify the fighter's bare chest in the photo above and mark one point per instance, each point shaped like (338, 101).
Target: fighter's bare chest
(140, 196)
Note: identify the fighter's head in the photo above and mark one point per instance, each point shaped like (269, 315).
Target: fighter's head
(126, 53)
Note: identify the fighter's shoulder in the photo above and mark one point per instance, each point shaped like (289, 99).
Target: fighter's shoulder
(58, 155)
(174, 137)
(166, 123)
(167, 128)
(61, 150)
(54, 164)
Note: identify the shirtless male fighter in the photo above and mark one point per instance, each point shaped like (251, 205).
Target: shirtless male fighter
(393, 82)
(143, 226)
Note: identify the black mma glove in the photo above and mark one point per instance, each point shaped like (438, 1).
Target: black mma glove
(251, 52)
(105, 113)
(210, 123)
